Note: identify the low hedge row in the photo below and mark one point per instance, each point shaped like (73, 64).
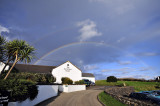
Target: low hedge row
(35, 77)
(20, 89)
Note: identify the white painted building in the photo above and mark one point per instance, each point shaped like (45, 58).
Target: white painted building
(67, 69)
(88, 76)
(2, 66)
(71, 71)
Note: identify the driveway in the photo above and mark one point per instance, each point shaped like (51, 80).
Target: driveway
(80, 98)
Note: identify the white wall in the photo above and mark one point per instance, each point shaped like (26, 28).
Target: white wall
(71, 88)
(89, 78)
(2, 65)
(64, 70)
(45, 92)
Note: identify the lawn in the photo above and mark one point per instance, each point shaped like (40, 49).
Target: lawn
(109, 100)
(138, 85)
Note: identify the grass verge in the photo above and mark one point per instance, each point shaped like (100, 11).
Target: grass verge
(109, 100)
(138, 85)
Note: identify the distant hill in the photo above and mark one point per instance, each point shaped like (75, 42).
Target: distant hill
(131, 79)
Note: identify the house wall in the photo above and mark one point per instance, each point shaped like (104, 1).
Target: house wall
(2, 65)
(89, 78)
(67, 70)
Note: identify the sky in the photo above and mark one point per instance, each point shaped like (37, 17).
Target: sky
(105, 37)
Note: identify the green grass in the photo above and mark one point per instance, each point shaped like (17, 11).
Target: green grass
(138, 85)
(109, 100)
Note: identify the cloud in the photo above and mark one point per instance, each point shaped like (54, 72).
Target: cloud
(3, 29)
(147, 54)
(88, 30)
(124, 9)
(120, 6)
(90, 67)
(124, 62)
(121, 39)
(145, 68)
(127, 69)
(116, 70)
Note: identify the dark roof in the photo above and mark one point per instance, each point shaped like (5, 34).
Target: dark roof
(34, 68)
(41, 69)
(87, 75)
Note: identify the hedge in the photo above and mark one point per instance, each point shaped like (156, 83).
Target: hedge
(35, 77)
(20, 89)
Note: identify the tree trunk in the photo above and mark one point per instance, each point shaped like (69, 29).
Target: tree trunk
(16, 60)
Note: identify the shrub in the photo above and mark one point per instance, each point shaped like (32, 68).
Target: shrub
(79, 82)
(50, 78)
(111, 79)
(35, 77)
(66, 80)
(20, 89)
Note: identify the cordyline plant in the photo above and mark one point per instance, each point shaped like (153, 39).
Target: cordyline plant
(3, 53)
(19, 50)
(2, 47)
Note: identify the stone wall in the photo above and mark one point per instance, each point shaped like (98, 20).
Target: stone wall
(120, 91)
(122, 94)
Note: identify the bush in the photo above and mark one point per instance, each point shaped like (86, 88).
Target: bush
(79, 82)
(66, 80)
(111, 79)
(50, 78)
(35, 77)
(20, 89)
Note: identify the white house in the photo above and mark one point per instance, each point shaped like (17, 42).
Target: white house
(2, 66)
(69, 70)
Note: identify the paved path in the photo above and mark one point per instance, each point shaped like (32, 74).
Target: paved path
(79, 98)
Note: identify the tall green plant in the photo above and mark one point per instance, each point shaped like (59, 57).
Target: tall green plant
(2, 50)
(19, 50)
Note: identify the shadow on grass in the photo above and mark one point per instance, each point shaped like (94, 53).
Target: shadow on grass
(48, 101)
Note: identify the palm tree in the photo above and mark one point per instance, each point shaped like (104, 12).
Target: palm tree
(7, 56)
(2, 45)
(3, 54)
(21, 51)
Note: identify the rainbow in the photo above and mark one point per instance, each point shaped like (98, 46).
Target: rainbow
(77, 43)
